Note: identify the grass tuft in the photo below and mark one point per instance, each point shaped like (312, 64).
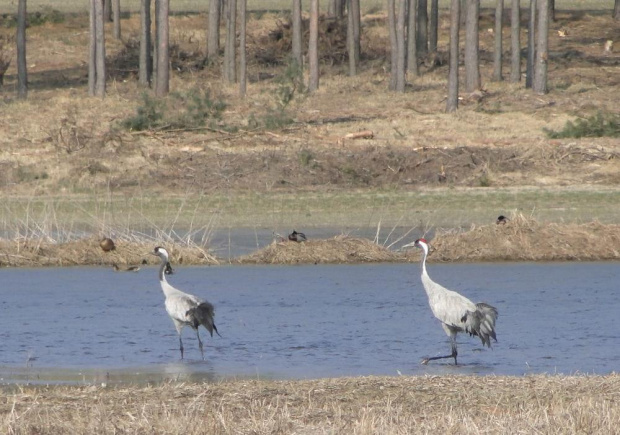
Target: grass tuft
(599, 125)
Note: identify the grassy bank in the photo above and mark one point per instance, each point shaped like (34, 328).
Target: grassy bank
(428, 208)
(388, 405)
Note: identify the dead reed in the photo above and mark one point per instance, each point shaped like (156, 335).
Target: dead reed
(339, 249)
(86, 251)
(363, 405)
(520, 239)
(523, 238)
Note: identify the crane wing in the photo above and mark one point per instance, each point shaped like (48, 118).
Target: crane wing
(178, 305)
(459, 313)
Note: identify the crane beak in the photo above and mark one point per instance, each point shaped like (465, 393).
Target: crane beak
(408, 245)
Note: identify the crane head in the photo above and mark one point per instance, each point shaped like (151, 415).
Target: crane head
(161, 253)
(419, 243)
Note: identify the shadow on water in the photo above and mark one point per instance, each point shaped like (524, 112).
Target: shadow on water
(94, 326)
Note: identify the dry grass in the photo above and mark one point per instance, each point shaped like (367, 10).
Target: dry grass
(339, 249)
(36, 253)
(521, 239)
(525, 239)
(368, 405)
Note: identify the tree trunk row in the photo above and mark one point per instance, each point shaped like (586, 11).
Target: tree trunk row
(22, 72)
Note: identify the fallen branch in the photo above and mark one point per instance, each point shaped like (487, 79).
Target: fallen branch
(366, 134)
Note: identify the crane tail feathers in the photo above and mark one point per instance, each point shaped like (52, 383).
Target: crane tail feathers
(483, 323)
(203, 314)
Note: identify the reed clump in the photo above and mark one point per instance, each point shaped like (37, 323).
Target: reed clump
(339, 249)
(524, 238)
(361, 405)
(86, 251)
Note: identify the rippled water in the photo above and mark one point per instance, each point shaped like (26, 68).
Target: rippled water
(92, 324)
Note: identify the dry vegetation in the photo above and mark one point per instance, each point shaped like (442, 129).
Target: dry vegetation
(71, 144)
(520, 239)
(395, 405)
(525, 239)
(339, 249)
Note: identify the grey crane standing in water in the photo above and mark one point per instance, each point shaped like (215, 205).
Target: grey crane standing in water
(184, 309)
(456, 312)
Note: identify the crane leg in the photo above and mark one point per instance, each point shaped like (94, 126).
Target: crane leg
(200, 344)
(181, 346)
(452, 355)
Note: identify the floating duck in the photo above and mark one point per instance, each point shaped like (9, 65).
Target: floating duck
(125, 269)
(501, 220)
(297, 237)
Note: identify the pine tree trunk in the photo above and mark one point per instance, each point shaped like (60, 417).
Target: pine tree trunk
(92, 50)
(433, 29)
(351, 41)
(357, 18)
(353, 35)
(531, 50)
(297, 32)
(155, 42)
(146, 66)
(422, 28)
(230, 54)
(107, 11)
(213, 34)
(412, 51)
(617, 10)
(335, 8)
(402, 49)
(242, 48)
(116, 11)
(22, 71)
(552, 10)
(472, 60)
(162, 83)
(542, 48)
(391, 6)
(100, 73)
(453, 75)
(498, 54)
(515, 42)
(313, 47)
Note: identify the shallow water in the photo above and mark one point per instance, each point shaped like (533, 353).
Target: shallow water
(95, 325)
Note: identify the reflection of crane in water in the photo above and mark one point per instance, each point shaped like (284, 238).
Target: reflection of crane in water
(456, 312)
(184, 309)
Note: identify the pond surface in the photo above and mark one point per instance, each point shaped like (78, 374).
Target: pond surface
(75, 325)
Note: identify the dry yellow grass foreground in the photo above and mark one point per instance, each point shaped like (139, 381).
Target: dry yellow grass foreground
(373, 405)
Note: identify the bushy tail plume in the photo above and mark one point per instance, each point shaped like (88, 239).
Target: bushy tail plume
(484, 323)
(203, 315)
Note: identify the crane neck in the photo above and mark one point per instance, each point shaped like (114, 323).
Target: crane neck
(162, 271)
(423, 262)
